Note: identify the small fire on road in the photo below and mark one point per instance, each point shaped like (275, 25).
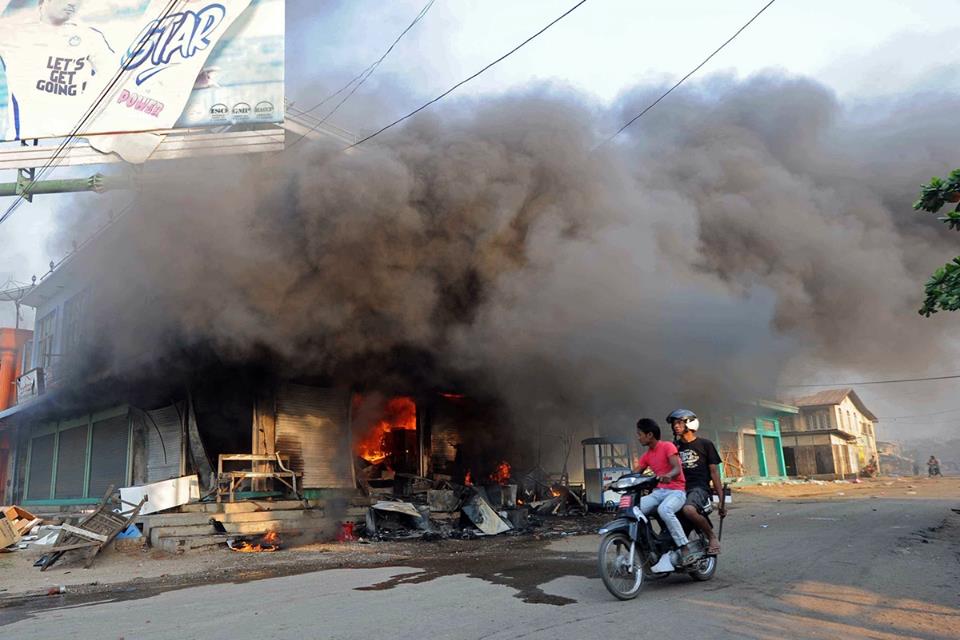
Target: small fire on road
(269, 542)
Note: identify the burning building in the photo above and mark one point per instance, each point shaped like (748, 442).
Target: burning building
(91, 423)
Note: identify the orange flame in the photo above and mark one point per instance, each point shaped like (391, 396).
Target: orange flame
(246, 547)
(502, 473)
(467, 481)
(400, 413)
(272, 538)
(269, 542)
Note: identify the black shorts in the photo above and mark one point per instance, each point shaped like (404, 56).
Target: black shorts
(701, 499)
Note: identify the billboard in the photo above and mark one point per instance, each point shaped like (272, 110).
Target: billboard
(186, 63)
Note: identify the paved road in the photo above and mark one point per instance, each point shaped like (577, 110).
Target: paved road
(879, 569)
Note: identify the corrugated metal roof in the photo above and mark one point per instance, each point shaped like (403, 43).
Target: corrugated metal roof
(831, 397)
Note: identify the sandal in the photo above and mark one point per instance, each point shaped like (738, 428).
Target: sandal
(713, 550)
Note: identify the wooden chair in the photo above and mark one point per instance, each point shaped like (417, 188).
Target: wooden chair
(96, 530)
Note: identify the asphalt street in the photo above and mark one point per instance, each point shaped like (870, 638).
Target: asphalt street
(867, 568)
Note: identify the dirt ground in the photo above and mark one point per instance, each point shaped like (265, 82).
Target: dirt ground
(145, 569)
(913, 487)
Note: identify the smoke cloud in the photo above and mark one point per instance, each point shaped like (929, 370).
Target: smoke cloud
(742, 228)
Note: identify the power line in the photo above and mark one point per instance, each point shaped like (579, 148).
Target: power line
(684, 78)
(92, 111)
(468, 79)
(362, 77)
(920, 415)
(863, 382)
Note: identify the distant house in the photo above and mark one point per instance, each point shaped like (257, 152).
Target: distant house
(833, 436)
(749, 440)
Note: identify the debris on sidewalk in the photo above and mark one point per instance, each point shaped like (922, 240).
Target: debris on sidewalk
(164, 495)
(482, 514)
(21, 519)
(397, 520)
(96, 530)
(8, 535)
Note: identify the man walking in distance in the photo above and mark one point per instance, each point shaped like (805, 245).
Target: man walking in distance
(700, 462)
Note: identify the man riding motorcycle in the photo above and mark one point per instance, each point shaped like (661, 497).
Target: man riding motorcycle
(668, 497)
(700, 461)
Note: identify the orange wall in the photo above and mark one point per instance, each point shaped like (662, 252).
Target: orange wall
(11, 345)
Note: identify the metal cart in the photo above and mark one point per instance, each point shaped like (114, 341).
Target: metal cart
(605, 460)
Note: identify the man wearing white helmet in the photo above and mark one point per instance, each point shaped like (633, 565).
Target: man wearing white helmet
(700, 462)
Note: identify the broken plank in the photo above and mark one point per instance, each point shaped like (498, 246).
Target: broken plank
(71, 547)
(84, 533)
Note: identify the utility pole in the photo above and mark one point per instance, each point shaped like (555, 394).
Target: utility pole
(97, 183)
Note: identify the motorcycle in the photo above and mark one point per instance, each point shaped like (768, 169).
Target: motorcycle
(632, 552)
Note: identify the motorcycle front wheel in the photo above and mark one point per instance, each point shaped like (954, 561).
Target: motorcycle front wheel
(621, 571)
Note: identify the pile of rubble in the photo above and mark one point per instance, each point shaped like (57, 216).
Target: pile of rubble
(432, 509)
(89, 532)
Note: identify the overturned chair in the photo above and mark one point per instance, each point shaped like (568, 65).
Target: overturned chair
(95, 531)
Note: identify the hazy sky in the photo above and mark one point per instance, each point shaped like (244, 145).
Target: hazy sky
(862, 49)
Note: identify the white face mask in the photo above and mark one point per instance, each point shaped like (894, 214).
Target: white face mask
(693, 425)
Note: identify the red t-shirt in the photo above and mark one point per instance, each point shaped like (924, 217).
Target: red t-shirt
(658, 459)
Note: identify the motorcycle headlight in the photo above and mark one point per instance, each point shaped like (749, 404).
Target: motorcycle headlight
(626, 482)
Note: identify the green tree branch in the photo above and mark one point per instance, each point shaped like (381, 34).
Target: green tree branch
(943, 288)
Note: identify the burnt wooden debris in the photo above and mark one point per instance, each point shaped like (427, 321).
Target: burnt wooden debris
(416, 507)
(95, 531)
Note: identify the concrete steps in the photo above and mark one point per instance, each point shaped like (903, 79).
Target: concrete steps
(247, 506)
(177, 532)
(187, 519)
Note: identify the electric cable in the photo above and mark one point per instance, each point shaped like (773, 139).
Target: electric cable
(863, 382)
(468, 79)
(92, 111)
(361, 78)
(919, 415)
(684, 78)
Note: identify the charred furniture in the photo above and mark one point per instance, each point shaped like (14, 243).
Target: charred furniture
(263, 466)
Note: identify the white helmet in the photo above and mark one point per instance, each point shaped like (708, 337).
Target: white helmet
(684, 414)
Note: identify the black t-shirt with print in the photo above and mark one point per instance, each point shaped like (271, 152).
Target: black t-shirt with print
(696, 458)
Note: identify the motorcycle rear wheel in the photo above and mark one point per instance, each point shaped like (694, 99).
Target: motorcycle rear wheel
(704, 569)
(622, 574)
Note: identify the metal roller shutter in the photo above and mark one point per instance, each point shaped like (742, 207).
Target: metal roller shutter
(444, 436)
(312, 428)
(71, 462)
(108, 455)
(41, 467)
(164, 443)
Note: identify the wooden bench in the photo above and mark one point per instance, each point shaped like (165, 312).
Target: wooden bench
(276, 465)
